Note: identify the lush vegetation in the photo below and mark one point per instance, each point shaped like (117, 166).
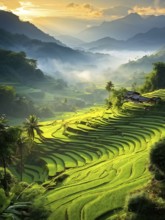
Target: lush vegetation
(155, 80)
(18, 200)
(151, 200)
(84, 166)
(24, 89)
(15, 67)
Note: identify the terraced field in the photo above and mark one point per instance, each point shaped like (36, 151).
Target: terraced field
(96, 159)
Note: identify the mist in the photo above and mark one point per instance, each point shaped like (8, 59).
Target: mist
(80, 72)
(98, 71)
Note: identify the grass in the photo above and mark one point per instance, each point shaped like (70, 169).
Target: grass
(105, 155)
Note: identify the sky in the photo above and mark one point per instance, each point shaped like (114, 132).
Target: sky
(73, 16)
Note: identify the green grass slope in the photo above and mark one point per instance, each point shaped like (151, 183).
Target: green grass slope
(96, 159)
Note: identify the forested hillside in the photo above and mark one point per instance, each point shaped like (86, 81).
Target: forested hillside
(16, 67)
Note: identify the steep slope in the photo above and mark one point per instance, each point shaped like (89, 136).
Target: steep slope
(123, 28)
(95, 159)
(38, 49)
(10, 22)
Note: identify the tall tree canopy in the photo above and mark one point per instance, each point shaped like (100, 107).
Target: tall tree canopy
(156, 79)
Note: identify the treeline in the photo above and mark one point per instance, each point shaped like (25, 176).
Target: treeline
(16, 67)
(15, 105)
(19, 200)
(156, 79)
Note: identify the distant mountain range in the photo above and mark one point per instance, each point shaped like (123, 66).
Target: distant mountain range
(18, 36)
(38, 49)
(70, 41)
(143, 64)
(123, 28)
(151, 40)
(11, 23)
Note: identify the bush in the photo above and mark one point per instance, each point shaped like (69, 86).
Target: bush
(157, 156)
(4, 201)
(38, 211)
(9, 178)
(141, 204)
(31, 193)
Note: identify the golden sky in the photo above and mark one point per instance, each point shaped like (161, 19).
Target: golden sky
(82, 13)
(95, 9)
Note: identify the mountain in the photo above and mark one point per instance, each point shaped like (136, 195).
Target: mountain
(151, 40)
(38, 49)
(143, 64)
(56, 60)
(10, 22)
(70, 40)
(106, 43)
(123, 28)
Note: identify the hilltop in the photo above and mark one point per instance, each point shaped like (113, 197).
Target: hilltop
(11, 23)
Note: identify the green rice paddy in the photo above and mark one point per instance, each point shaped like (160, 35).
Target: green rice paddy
(96, 159)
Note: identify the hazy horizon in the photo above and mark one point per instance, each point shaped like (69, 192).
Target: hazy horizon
(71, 18)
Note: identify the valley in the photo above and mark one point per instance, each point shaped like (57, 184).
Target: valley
(74, 144)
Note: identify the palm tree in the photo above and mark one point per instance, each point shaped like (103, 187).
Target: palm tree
(23, 148)
(31, 126)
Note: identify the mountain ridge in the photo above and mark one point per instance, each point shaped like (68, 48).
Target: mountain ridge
(150, 40)
(12, 23)
(123, 28)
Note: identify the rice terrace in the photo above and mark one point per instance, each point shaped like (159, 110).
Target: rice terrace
(93, 160)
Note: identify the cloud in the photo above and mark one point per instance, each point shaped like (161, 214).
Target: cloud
(3, 7)
(148, 10)
(72, 5)
(116, 11)
(10, 4)
(84, 10)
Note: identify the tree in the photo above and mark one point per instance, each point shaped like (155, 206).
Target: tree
(155, 79)
(8, 140)
(157, 156)
(22, 150)
(117, 98)
(31, 126)
(109, 87)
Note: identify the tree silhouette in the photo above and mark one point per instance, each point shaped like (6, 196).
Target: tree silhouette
(31, 126)
(8, 140)
(109, 87)
(22, 150)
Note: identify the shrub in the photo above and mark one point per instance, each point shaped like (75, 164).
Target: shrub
(4, 201)
(30, 193)
(141, 204)
(157, 156)
(38, 211)
(9, 178)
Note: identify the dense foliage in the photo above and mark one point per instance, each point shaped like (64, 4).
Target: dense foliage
(16, 67)
(13, 104)
(18, 200)
(155, 80)
(151, 202)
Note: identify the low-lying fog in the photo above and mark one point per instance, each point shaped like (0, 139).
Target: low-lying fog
(125, 56)
(99, 71)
